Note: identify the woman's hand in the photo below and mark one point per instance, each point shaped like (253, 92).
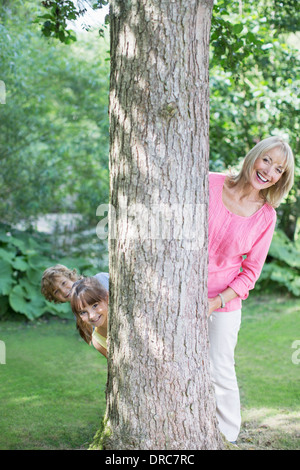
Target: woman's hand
(214, 304)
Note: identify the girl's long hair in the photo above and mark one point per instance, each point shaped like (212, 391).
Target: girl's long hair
(86, 291)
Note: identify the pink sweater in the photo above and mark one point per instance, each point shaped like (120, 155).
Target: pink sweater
(230, 237)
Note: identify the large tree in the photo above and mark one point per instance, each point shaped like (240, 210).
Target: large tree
(159, 394)
(153, 346)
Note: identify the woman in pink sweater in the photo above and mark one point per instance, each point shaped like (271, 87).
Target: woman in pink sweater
(242, 219)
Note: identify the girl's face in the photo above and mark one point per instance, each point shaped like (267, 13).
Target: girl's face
(62, 289)
(267, 169)
(96, 314)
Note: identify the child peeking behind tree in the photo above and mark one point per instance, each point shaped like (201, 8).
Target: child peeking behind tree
(57, 282)
(89, 302)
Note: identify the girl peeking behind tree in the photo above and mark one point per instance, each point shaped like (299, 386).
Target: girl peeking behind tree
(89, 303)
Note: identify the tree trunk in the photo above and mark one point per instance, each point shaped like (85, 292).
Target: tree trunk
(159, 394)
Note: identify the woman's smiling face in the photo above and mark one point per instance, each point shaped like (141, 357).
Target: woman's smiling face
(267, 169)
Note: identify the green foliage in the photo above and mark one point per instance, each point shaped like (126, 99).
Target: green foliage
(53, 153)
(54, 126)
(59, 12)
(239, 29)
(286, 15)
(56, 20)
(231, 42)
(259, 95)
(23, 258)
(283, 269)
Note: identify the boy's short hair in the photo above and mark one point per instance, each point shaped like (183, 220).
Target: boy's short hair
(50, 276)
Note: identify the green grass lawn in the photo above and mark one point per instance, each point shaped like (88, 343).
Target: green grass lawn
(269, 380)
(52, 387)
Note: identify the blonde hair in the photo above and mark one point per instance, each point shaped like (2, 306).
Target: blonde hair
(274, 194)
(86, 291)
(50, 277)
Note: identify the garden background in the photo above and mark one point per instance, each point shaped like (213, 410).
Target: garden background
(54, 145)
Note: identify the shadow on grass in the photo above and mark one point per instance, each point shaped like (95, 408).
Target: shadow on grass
(270, 429)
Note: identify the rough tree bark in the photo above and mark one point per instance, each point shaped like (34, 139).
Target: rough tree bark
(159, 394)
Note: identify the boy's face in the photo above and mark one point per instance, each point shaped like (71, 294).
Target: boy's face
(62, 289)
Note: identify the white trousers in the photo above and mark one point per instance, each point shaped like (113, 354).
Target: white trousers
(223, 328)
